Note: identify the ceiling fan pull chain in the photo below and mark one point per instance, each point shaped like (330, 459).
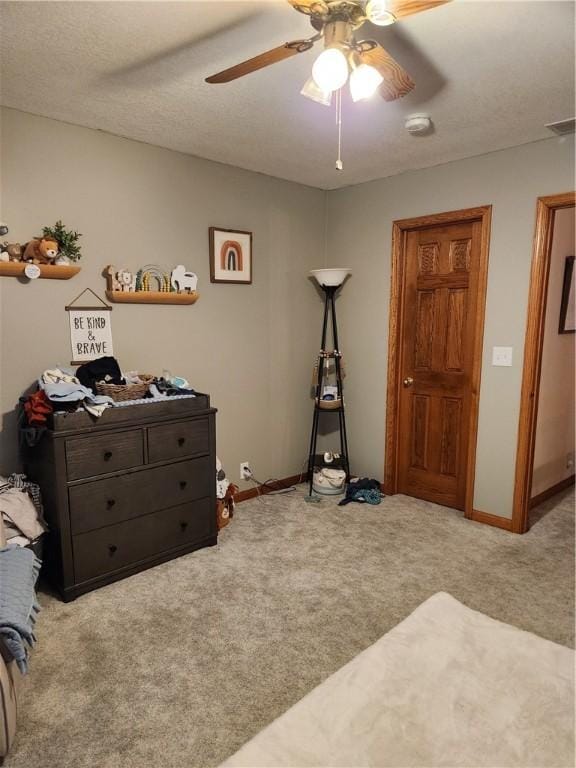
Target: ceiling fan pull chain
(339, 165)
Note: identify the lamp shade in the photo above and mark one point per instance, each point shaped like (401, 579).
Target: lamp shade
(331, 277)
(311, 91)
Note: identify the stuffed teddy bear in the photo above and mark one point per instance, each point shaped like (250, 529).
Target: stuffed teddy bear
(41, 250)
(225, 507)
(10, 252)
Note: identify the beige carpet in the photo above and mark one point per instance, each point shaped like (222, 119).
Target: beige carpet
(179, 666)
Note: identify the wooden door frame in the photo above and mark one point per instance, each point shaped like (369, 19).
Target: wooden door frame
(546, 208)
(400, 231)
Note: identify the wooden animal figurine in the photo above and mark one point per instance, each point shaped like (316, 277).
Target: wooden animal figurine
(182, 280)
(112, 283)
(41, 250)
(126, 280)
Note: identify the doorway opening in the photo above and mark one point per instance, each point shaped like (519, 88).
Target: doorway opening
(438, 296)
(545, 460)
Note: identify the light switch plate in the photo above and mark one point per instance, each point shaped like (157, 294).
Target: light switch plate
(502, 356)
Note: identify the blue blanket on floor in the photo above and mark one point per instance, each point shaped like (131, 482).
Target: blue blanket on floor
(19, 568)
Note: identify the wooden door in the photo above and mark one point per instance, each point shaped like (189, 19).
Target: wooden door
(436, 362)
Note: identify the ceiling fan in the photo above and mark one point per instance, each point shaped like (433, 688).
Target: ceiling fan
(364, 62)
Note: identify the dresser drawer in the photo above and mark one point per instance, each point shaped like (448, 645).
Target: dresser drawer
(105, 502)
(183, 438)
(127, 543)
(89, 456)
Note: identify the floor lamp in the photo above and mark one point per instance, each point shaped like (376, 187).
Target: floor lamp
(329, 281)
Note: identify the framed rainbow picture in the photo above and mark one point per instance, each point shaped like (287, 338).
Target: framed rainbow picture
(230, 256)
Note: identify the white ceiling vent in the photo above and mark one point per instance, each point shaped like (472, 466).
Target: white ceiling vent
(563, 127)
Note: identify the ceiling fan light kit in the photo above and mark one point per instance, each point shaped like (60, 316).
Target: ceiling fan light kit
(365, 62)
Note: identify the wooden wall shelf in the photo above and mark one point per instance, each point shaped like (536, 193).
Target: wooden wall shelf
(47, 271)
(152, 297)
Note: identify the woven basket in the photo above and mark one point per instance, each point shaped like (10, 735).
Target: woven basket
(121, 392)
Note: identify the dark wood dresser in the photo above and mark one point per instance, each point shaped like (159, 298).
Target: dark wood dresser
(127, 491)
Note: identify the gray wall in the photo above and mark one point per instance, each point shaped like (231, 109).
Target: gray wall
(359, 226)
(250, 347)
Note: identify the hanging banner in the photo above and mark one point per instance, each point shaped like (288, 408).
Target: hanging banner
(90, 331)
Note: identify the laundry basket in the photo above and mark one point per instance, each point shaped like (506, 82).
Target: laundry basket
(329, 482)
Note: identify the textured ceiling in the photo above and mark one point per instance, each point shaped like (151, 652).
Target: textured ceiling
(490, 74)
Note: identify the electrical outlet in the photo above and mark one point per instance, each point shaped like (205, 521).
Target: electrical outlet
(245, 471)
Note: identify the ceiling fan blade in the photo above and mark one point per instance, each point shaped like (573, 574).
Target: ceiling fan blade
(402, 8)
(310, 7)
(263, 60)
(397, 82)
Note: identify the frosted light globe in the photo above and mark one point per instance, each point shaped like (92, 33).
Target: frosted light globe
(378, 12)
(330, 70)
(364, 81)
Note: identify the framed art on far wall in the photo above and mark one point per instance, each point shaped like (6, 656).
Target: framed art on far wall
(568, 303)
(230, 256)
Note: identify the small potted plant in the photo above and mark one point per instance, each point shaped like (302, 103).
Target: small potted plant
(69, 250)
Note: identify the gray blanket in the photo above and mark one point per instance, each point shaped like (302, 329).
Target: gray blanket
(19, 569)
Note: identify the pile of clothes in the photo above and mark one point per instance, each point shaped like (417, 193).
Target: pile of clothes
(21, 511)
(63, 389)
(365, 490)
(107, 370)
(61, 386)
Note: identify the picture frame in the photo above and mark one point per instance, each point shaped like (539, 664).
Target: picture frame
(567, 322)
(230, 256)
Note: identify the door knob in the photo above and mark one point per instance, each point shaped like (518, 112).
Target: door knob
(408, 381)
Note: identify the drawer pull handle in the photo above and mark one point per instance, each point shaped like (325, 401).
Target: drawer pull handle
(110, 503)
(112, 549)
(107, 455)
(183, 484)
(181, 441)
(183, 525)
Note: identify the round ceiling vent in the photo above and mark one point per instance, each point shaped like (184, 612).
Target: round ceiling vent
(418, 124)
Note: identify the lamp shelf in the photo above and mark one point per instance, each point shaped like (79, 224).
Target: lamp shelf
(329, 405)
(152, 297)
(47, 271)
